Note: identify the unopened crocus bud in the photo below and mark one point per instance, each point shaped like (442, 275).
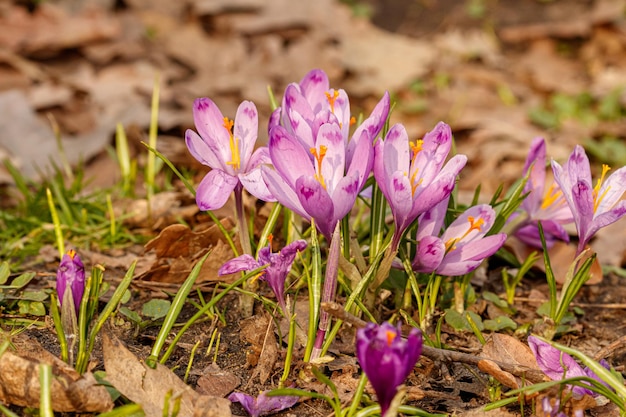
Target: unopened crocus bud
(71, 274)
(386, 358)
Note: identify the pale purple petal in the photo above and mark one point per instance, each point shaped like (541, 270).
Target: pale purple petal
(283, 193)
(253, 182)
(612, 190)
(246, 130)
(201, 151)
(467, 257)
(289, 158)
(209, 122)
(582, 198)
(314, 86)
(344, 196)
(263, 405)
(608, 217)
(372, 125)
(535, 162)
(551, 360)
(460, 226)
(400, 200)
(333, 163)
(215, 189)
(429, 254)
(431, 221)
(363, 159)
(396, 153)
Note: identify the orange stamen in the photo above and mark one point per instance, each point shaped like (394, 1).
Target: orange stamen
(390, 337)
(319, 157)
(475, 224)
(71, 253)
(331, 99)
(234, 144)
(551, 196)
(352, 120)
(597, 199)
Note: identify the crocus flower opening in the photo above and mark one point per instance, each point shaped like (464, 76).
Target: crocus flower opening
(263, 405)
(386, 358)
(546, 205)
(558, 365)
(278, 267)
(463, 245)
(71, 274)
(593, 207)
(317, 182)
(227, 147)
(412, 175)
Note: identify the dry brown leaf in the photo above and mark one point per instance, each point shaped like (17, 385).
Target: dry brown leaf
(258, 331)
(148, 387)
(505, 378)
(70, 392)
(216, 381)
(506, 349)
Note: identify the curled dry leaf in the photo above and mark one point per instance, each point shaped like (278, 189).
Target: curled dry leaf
(148, 387)
(506, 349)
(178, 248)
(70, 392)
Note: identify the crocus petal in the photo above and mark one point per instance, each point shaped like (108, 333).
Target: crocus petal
(341, 110)
(608, 217)
(372, 125)
(535, 162)
(314, 86)
(431, 221)
(612, 190)
(201, 151)
(333, 163)
(215, 189)
(400, 200)
(466, 258)
(274, 119)
(582, 198)
(209, 122)
(429, 254)
(317, 203)
(263, 404)
(289, 157)
(254, 183)
(282, 191)
(578, 167)
(363, 159)
(460, 226)
(344, 196)
(396, 152)
(71, 273)
(246, 130)
(551, 360)
(244, 262)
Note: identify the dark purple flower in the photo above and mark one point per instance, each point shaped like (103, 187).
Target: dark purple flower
(263, 405)
(592, 207)
(278, 267)
(71, 273)
(386, 358)
(559, 365)
(227, 147)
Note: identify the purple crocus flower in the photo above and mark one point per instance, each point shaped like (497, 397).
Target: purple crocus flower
(386, 358)
(545, 205)
(263, 405)
(463, 245)
(559, 365)
(71, 273)
(278, 267)
(412, 175)
(317, 183)
(227, 147)
(311, 103)
(554, 409)
(592, 207)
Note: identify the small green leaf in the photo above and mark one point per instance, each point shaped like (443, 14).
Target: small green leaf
(34, 295)
(130, 314)
(499, 323)
(459, 322)
(22, 280)
(32, 308)
(5, 271)
(156, 309)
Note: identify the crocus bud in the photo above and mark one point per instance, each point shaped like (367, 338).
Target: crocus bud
(386, 358)
(71, 273)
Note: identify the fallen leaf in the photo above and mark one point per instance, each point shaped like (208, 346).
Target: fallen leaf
(216, 381)
(149, 387)
(70, 392)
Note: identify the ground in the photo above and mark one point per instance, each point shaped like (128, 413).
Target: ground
(498, 72)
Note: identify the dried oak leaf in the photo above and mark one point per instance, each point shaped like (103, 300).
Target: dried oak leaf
(148, 387)
(70, 392)
(506, 349)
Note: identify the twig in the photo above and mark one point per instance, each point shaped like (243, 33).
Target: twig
(532, 375)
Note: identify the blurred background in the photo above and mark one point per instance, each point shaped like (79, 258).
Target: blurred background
(500, 72)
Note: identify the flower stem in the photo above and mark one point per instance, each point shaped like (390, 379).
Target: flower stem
(245, 301)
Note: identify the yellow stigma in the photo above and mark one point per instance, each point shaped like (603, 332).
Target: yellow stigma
(550, 196)
(474, 224)
(234, 144)
(390, 337)
(597, 197)
(319, 157)
(331, 99)
(71, 253)
(416, 147)
(352, 120)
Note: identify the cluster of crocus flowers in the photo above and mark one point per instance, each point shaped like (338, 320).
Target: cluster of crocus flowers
(318, 169)
(412, 175)
(278, 267)
(463, 245)
(227, 147)
(593, 207)
(545, 205)
(558, 365)
(386, 358)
